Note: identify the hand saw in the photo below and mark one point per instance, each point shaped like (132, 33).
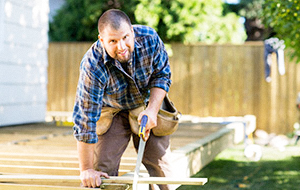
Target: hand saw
(142, 144)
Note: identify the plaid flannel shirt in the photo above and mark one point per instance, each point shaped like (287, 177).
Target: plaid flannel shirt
(103, 82)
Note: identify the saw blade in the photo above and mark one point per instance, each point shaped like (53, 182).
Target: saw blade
(141, 149)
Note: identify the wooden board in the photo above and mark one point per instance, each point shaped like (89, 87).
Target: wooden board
(118, 179)
(47, 157)
(36, 187)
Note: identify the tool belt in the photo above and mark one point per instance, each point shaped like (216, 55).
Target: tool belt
(167, 119)
(105, 120)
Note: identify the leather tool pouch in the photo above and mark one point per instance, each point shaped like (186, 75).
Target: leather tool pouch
(105, 120)
(167, 118)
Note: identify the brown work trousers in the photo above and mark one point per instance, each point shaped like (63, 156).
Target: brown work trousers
(112, 144)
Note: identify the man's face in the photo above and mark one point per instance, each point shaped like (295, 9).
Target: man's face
(119, 44)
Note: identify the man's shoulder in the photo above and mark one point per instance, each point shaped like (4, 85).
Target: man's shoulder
(142, 30)
(94, 57)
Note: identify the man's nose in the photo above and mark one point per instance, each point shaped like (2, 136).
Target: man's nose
(121, 45)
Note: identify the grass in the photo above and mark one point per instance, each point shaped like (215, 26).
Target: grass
(231, 170)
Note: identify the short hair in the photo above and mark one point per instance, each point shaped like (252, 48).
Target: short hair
(113, 18)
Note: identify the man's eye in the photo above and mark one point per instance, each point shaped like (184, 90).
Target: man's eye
(112, 41)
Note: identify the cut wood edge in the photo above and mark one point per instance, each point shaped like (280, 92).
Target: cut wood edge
(113, 179)
(8, 186)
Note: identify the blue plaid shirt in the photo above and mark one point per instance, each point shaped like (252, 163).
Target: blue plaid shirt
(103, 81)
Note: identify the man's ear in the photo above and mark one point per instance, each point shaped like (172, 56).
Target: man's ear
(132, 31)
(100, 39)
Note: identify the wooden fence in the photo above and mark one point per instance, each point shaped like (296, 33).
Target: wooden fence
(208, 80)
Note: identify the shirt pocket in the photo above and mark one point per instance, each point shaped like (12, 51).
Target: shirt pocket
(115, 94)
(143, 77)
(116, 89)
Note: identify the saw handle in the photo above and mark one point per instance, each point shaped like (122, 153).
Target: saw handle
(142, 129)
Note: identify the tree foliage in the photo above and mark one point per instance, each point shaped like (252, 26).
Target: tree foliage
(252, 11)
(175, 20)
(190, 21)
(284, 18)
(77, 19)
(251, 8)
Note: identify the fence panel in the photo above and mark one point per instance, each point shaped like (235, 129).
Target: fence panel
(208, 80)
(63, 73)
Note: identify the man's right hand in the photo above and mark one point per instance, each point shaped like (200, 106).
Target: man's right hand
(92, 178)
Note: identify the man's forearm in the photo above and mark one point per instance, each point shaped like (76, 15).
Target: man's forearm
(156, 97)
(85, 155)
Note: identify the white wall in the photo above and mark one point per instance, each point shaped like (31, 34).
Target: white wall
(23, 61)
(1, 23)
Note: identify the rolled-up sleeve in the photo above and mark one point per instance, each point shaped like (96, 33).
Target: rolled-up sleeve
(161, 76)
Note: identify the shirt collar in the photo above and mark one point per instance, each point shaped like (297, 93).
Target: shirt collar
(137, 43)
(106, 57)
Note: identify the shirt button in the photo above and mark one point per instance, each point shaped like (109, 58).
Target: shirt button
(129, 63)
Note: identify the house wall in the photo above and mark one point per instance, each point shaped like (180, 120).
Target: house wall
(23, 61)
(1, 24)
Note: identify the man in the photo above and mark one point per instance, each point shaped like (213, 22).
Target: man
(126, 68)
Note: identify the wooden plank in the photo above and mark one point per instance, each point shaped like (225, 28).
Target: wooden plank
(274, 93)
(238, 88)
(37, 162)
(199, 69)
(32, 155)
(36, 187)
(191, 158)
(104, 186)
(262, 90)
(180, 77)
(73, 75)
(54, 163)
(46, 170)
(117, 179)
(49, 159)
(226, 65)
(25, 169)
(44, 158)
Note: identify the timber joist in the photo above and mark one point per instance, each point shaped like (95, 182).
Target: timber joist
(46, 158)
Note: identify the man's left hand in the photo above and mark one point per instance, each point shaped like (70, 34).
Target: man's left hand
(151, 123)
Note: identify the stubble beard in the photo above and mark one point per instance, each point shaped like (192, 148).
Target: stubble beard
(126, 58)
